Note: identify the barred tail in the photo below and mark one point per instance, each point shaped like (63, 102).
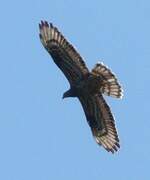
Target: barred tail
(110, 84)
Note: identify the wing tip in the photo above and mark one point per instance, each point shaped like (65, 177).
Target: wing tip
(44, 23)
(109, 142)
(49, 33)
(45, 32)
(114, 148)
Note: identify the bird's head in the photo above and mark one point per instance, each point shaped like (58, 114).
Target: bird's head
(69, 93)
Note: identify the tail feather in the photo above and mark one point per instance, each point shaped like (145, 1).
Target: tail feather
(110, 84)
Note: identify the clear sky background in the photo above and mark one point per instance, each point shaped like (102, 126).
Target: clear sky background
(43, 137)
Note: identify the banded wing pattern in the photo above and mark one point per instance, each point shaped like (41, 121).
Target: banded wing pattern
(101, 121)
(63, 53)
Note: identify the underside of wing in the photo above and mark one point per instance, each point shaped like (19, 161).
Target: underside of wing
(110, 85)
(101, 121)
(63, 53)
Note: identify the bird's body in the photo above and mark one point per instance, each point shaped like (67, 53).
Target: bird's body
(90, 85)
(87, 86)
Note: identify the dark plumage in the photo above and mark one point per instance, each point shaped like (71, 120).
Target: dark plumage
(87, 86)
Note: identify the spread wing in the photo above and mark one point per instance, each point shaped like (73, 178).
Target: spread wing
(101, 121)
(63, 53)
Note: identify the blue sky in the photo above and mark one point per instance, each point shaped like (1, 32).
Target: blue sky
(43, 137)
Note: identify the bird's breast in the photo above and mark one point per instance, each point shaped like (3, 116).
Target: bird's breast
(90, 86)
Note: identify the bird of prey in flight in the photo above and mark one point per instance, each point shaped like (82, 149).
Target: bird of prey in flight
(87, 86)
